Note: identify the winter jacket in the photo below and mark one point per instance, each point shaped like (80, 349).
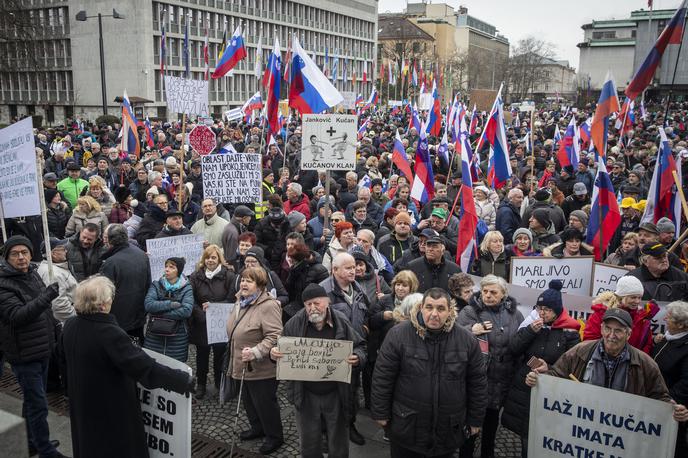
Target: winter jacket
(218, 289)
(258, 326)
(367, 223)
(357, 312)
(62, 305)
(548, 344)
(542, 240)
(316, 227)
(486, 264)
(643, 378)
(30, 227)
(167, 231)
(372, 283)
(129, 269)
(84, 263)
(641, 332)
(379, 327)
(190, 209)
(392, 248)
(556, 215)
(78, 220)
(429, 386)
(158, 303)
(151, 224)
(120, 213)
(508, 219)
(672, 285)
(486, 212)
(302, 205)
(71, 189)
(433, 275)
(501, 363)
(296, 327)
(572, 203)
(374, 212)
(212, 229)
(272, 240)
(586, 178)
(672, 358)
(57, 219)
(557, 250)
(300, 275)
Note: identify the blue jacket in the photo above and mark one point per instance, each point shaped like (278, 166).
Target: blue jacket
(508, 220)
(357, 313)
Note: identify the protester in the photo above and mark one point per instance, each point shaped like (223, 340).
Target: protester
(87, 211)
(304, 270)
(84, 251)
(661, 281)
(343, 241)
(58, 213)
(72, 186)
(522, 246)
(433, 269)
(493, 258)
(508, 217)
(63, 304)
(625, 255)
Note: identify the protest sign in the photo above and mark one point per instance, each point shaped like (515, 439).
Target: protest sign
(425, 101)
(234, 114)
(232, 178)
(349, 101)
(394, 103)
(578, 419)
(605, 277)
(189, 247)
(216, 321)
(537, 271)
(314, 360)
(329, 142)
(187, 96)
(202, 139)
(18, 186)
(166, 415)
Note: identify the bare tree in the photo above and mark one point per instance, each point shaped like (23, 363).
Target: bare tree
(525, 66)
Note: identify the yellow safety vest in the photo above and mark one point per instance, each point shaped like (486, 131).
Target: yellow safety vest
(262, 208)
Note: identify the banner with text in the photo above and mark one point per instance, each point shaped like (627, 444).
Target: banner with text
(187, 96)
(349, 101)
(232, 178)
(166, 415)
(605, 277)
(18, 186)
(578, 419)
(314, 360)
(216, 321)
(537, 271)
(189, 247)
(329, 142)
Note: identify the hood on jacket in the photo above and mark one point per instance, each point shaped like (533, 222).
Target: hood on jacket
(421, 330)
(7, 270)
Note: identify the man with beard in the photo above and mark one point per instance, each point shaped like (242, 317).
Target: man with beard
(322, 404)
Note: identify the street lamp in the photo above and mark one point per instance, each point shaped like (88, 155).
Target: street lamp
(82, 16)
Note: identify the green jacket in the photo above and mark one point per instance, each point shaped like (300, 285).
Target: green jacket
(71, 189)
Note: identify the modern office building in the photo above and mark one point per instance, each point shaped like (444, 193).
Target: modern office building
(58, 74)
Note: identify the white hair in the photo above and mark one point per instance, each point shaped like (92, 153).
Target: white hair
(679, 312)
(296, 187)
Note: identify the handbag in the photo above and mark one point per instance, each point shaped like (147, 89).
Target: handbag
(229, 387)
(159, 326)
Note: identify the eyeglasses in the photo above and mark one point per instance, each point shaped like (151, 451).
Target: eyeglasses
(336, 220)
(17, 254)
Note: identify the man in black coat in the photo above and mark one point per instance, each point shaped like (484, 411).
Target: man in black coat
(509, 214)
(153, 220)
(27, 335)
(427, 414)
(661, 281)
(84, 252)
(433, 270)
(129, 269)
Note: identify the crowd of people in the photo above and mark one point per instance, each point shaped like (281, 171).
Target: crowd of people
(440, 356)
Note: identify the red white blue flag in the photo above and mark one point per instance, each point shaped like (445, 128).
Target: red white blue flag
(423, 189)
(272, 80)
(232, 55)
(604, 213)
(607, 105)
(499, 167)
(468, 217)
(400, 160)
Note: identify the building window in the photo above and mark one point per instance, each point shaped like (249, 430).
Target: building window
(608, 34)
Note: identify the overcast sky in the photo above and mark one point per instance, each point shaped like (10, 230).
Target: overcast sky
(556, 21)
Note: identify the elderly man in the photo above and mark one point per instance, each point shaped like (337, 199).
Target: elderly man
(373, 210)
(611, 363)
(322, 403)
(84, 251)
(347, 296)
(509, 214)
(667, 230)
(542, 228)
(297, 200)
(427, 415)
(174, 225)
(433, 270)
(211, 226)
(350, 194)
(577, 200)
(439, 221)
(27, 335)
(661, 281)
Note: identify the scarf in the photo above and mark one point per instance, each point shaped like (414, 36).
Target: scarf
(172, 287)
(209, 274)
(669, 337)
(245, 301)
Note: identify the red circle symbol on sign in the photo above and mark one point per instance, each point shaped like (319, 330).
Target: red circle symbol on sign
(202, 139)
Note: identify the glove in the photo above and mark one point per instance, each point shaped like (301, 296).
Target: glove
(175, 305)
(51, 292)
(190, 386)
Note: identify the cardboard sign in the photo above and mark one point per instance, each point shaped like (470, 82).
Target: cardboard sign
(232, 178)
(189, 247)
(329, 142)
(314, 360)
(605, 277)
(202, 139)
(19, 194)
(537, 271)
(166, 415)
(216, 321)
(187, 96)
(578, 419)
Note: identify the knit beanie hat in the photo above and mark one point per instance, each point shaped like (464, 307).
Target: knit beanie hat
(295, 219)
(402, 216)
(552, 297)
(665, 225)
(49, 195)
(581, 216)
(542, 195)
(522, 230)
(258, 253)
(541, 215)
(629, 286)
(179, 262)
(313, 291)
(17, 240)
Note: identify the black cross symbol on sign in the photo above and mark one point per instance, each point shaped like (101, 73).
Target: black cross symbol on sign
(331, 131)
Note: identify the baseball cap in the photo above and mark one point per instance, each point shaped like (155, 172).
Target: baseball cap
(579, 189)
(440, 213)
(619, 315)
(435, 239)
(429, 233)
(653, 249)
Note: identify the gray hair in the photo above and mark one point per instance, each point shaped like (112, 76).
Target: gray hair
(340, 258)
(117, 235)
(92, 293)
(351, 175)
(368, 233)
(513, 192)
(153, 175)
(679, 312)
(403, 311)
(495, 280)
(296, 188)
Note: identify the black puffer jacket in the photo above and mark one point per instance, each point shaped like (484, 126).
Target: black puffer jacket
(301, 275)
(501, 363)
(433, 276)
(272, 240)
(83, 264)
(672, 359)
(218, 289)
(27, 326)
(151, 224)
(429, 388)
(672, 285)
(486, 264)
(57, 219)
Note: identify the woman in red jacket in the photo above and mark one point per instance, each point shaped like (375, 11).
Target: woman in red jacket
(628, 296)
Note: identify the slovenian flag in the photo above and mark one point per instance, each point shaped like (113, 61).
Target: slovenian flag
(662, 198)
(569, 147)
(466, 245)
(605, 209)
(499, 168)
(607, 105)
(434, 126)
(233, 54)
(129, 135)
(310, 91)
(272, 80)
(228, 148)
(423, 189)
(400, 160)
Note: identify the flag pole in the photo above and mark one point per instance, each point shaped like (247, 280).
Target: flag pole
(181, 163)
(685, 210)
(673, 79)
(44, 219)
(2, 220)
(532, 146)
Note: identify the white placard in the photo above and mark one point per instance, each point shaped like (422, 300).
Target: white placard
(314, 360)
(349, 101)
(578, 419)
(425, 101)
(537, 271)
(329, 142)
(216, 321)
(166, 415)
(232, 178)
(187, 96)
(234, 114)
(605, 277)
(394, 103)
(18, 184)
(189, 247)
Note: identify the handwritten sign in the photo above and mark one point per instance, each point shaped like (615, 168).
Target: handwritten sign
(189, 247)
(187, 96)
(166, 415)
(18, 185)
(605, 277)
(314, 360)
(578, 419)
(329, 142)
(216, 321)
(232, 178)
(537, 271)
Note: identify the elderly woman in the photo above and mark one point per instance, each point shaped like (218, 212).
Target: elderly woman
(365, 241)
(402, 312)
(484, 206)
(571, 245)
(253, 326)
(626, 255)
(169, 303)
(101, 193)
(101, 359)
(547, 333)
(492, 316)
(523, 243)
(343, 240)
(87, 211)
(211, 282)
(671, 355)
(628, 296)
(493, 258)
(461, 289)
